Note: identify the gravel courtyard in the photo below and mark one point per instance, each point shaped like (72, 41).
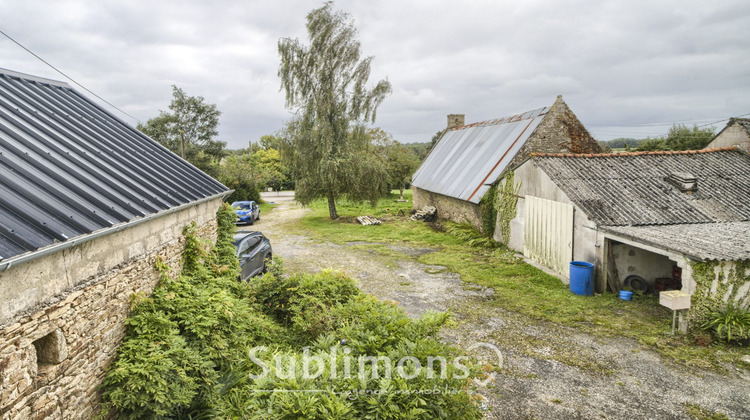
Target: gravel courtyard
(548, 371)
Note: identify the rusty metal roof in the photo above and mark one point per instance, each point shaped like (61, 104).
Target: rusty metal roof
(631, 189)
(468, 158)
(69, 168)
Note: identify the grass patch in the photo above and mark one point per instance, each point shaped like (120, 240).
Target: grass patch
(697, 412)
(518, 287)
(266, 208)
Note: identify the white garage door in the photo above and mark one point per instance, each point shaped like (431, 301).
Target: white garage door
(548, 233)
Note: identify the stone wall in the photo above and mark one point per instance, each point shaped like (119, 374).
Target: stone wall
(62, 318)
(559, 132)
(448, 208)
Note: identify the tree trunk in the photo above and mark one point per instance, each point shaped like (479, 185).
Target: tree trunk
(402, 191)
(332, 207)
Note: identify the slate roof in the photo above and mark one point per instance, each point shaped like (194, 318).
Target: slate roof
(468, 158)
(729, 241)
(630, 189)
(69, 168)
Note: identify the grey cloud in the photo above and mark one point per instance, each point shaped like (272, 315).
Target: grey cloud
(617, 63)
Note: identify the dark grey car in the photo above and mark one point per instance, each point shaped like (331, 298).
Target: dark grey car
(253, 251)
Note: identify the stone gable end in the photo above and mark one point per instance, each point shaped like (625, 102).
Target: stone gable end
(559, 132)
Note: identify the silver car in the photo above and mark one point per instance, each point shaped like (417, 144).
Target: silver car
(254, 252)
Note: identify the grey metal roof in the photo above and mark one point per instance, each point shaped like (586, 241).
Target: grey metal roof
(69, 168)
(704, 241)
(468, 158)
(631, 188)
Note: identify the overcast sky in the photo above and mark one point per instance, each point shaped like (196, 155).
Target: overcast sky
(627, 68)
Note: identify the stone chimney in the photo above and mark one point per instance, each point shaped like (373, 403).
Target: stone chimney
(455, 120)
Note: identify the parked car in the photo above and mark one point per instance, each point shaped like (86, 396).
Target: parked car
(247, 211)
(254, 251)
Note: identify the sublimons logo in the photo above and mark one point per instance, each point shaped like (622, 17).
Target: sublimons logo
(313, 366)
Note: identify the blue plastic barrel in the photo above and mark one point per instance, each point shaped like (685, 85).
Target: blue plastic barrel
(626, 295)
(582, 278)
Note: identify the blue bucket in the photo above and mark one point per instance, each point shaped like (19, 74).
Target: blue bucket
(625, 295)
(582, 278)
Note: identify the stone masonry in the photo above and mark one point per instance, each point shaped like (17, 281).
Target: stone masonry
(559, 132)
(448, 207)
(62, 317)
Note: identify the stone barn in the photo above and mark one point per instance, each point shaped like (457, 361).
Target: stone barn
(87, 203)
(469, 158)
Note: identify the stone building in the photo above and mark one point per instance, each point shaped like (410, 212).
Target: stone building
(736, 133)
(87, 204)
(469, 158)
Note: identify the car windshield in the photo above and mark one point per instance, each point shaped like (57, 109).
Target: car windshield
(242, 206)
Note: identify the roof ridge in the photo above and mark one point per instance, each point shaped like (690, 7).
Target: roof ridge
(651, 153)
(11, 73)
(507, 119)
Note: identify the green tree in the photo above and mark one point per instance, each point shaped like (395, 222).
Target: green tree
(325, 84)
(240, 173)
(272, 172)
(680, 137)
(270, 142)
(650, 144)
(401, 161)
(192, 120)
(421, 150)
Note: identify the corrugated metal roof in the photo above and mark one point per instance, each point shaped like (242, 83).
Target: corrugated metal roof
(68, 167)
(469, 157)
(704, 241)
(632, 188)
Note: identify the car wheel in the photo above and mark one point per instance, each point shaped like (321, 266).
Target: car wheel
(252, 221)
(258, 214)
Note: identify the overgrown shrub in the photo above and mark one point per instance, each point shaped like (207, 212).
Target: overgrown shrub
(187, 351)
(351, 327)
(728, 323)
(302, 301)
(467, 233)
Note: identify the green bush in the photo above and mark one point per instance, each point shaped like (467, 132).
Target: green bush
(303, 301)
(156, 370)
(729, 323)
(331, 315)
(467, 233)
(188, 346)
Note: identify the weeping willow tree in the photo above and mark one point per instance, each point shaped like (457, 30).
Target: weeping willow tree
(326, 143)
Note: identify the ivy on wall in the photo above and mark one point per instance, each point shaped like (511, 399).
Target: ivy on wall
(729, 284)
(507, 199)
(488, 211)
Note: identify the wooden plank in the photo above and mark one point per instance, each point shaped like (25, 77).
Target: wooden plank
(613, 279)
